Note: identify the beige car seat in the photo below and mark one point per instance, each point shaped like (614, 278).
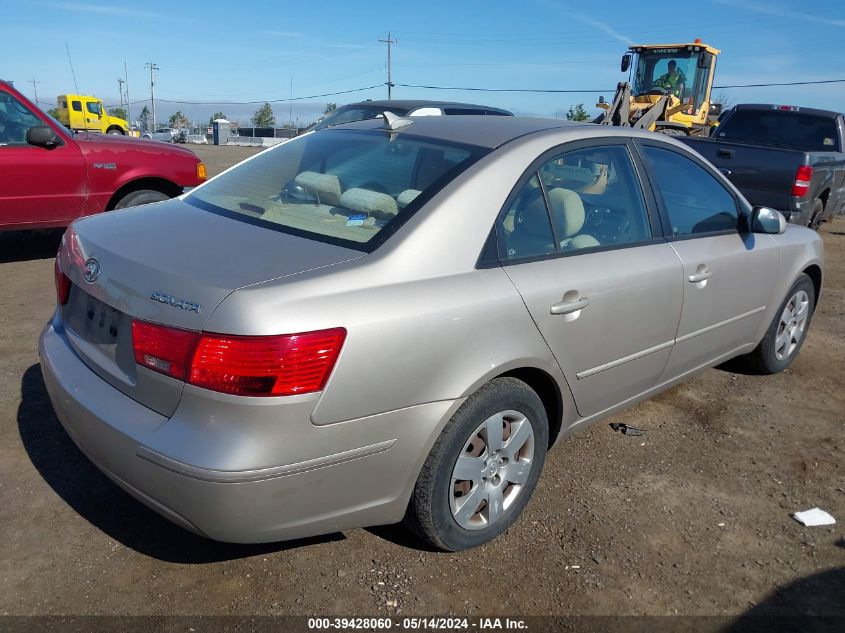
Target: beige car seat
(373, 203)
(569, 215)
(324, 187)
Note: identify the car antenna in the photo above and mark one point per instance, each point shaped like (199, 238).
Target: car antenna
(393, 122)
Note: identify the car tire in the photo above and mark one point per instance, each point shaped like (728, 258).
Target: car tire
(115, 130)
(438, 512)
(142, 196)
(786, 334)
(816, 215)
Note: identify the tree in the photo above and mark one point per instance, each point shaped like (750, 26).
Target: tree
(53, 112)
(577, 113)
(330, 107)
(178, 120)
(726, 101)
(214, 117)
(146, 118)
(264, 116)
(119, 112)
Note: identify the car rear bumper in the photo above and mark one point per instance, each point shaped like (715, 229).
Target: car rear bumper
(326, 478)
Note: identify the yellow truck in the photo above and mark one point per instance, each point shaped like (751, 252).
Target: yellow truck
(83, 113)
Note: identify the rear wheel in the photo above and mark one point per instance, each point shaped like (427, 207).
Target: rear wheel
(142, 196)
(787, 331)
(816, 215)
(482, 469)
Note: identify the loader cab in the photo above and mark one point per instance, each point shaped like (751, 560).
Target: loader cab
(695, 65)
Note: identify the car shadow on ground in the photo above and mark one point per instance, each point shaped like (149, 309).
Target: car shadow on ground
(21, 246)
(91, 494)
(815, 604)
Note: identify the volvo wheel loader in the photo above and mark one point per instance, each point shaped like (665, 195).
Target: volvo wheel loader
(668, 90)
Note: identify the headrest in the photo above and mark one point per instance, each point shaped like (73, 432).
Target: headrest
(567, 211)
(324, 187)
(367, 201)
(407, 197)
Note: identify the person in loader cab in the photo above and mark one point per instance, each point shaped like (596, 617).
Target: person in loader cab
(672, 80)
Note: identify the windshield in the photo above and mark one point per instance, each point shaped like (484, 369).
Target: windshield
(665, 69)
(806, 132)
(347, 187)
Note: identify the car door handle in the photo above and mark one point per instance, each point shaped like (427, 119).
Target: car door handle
(701, 276)
(568, 307)
(725, 153)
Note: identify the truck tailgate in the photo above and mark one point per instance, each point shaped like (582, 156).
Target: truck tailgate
(765, 175)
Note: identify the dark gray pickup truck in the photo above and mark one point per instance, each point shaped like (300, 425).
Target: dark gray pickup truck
(784, 157)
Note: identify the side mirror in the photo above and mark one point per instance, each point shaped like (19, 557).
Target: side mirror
(715, 109)
(42, 136)
(766, 220)
(626, 62)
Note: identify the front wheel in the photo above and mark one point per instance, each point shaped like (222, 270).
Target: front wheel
(787, 331)
(482, 469)
(115, 130)
(142, 196)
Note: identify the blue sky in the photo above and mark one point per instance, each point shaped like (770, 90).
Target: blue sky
(224, 52)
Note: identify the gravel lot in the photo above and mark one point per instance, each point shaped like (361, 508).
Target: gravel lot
(690, 518)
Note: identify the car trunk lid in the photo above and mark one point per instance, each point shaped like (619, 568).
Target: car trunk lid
(170, 264)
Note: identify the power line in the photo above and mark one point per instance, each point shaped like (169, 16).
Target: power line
(570, 91)
(471, 89)
(325, 94)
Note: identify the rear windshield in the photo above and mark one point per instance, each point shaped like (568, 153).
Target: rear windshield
(347, 187)
(782, 128)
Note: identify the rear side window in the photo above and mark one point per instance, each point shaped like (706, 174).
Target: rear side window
(348, 187)
(694, 201)
(76, 105)
(806, 132)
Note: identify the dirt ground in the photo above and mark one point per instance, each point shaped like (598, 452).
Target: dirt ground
(690, 518)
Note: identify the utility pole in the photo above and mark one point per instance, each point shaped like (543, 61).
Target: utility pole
(153, 68)
(35, 88)
(120, 83)
(128, 107)
(389, 42)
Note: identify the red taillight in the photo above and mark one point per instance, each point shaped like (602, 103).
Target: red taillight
(163, 349)
(266, 365)
(242, 365)
(62, 284)
(802, 181)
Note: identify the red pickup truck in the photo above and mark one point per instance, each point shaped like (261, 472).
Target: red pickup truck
(50, 176)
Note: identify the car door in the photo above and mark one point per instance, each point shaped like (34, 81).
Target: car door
(729, 272)
(93, 113)
(577, 240)
(37, 185)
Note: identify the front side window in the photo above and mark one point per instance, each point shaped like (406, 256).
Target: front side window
(694, 201)
(338, 186)
(93, 107)
(15, 120)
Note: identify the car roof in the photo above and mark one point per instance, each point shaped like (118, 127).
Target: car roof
(478, 130)
(409, 104)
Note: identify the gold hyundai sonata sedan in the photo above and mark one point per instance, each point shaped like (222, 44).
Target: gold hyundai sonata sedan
(395, 319)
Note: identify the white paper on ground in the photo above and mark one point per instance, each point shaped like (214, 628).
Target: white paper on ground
(814, 517)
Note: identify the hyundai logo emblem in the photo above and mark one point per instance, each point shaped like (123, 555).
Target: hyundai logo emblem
(92, 270)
